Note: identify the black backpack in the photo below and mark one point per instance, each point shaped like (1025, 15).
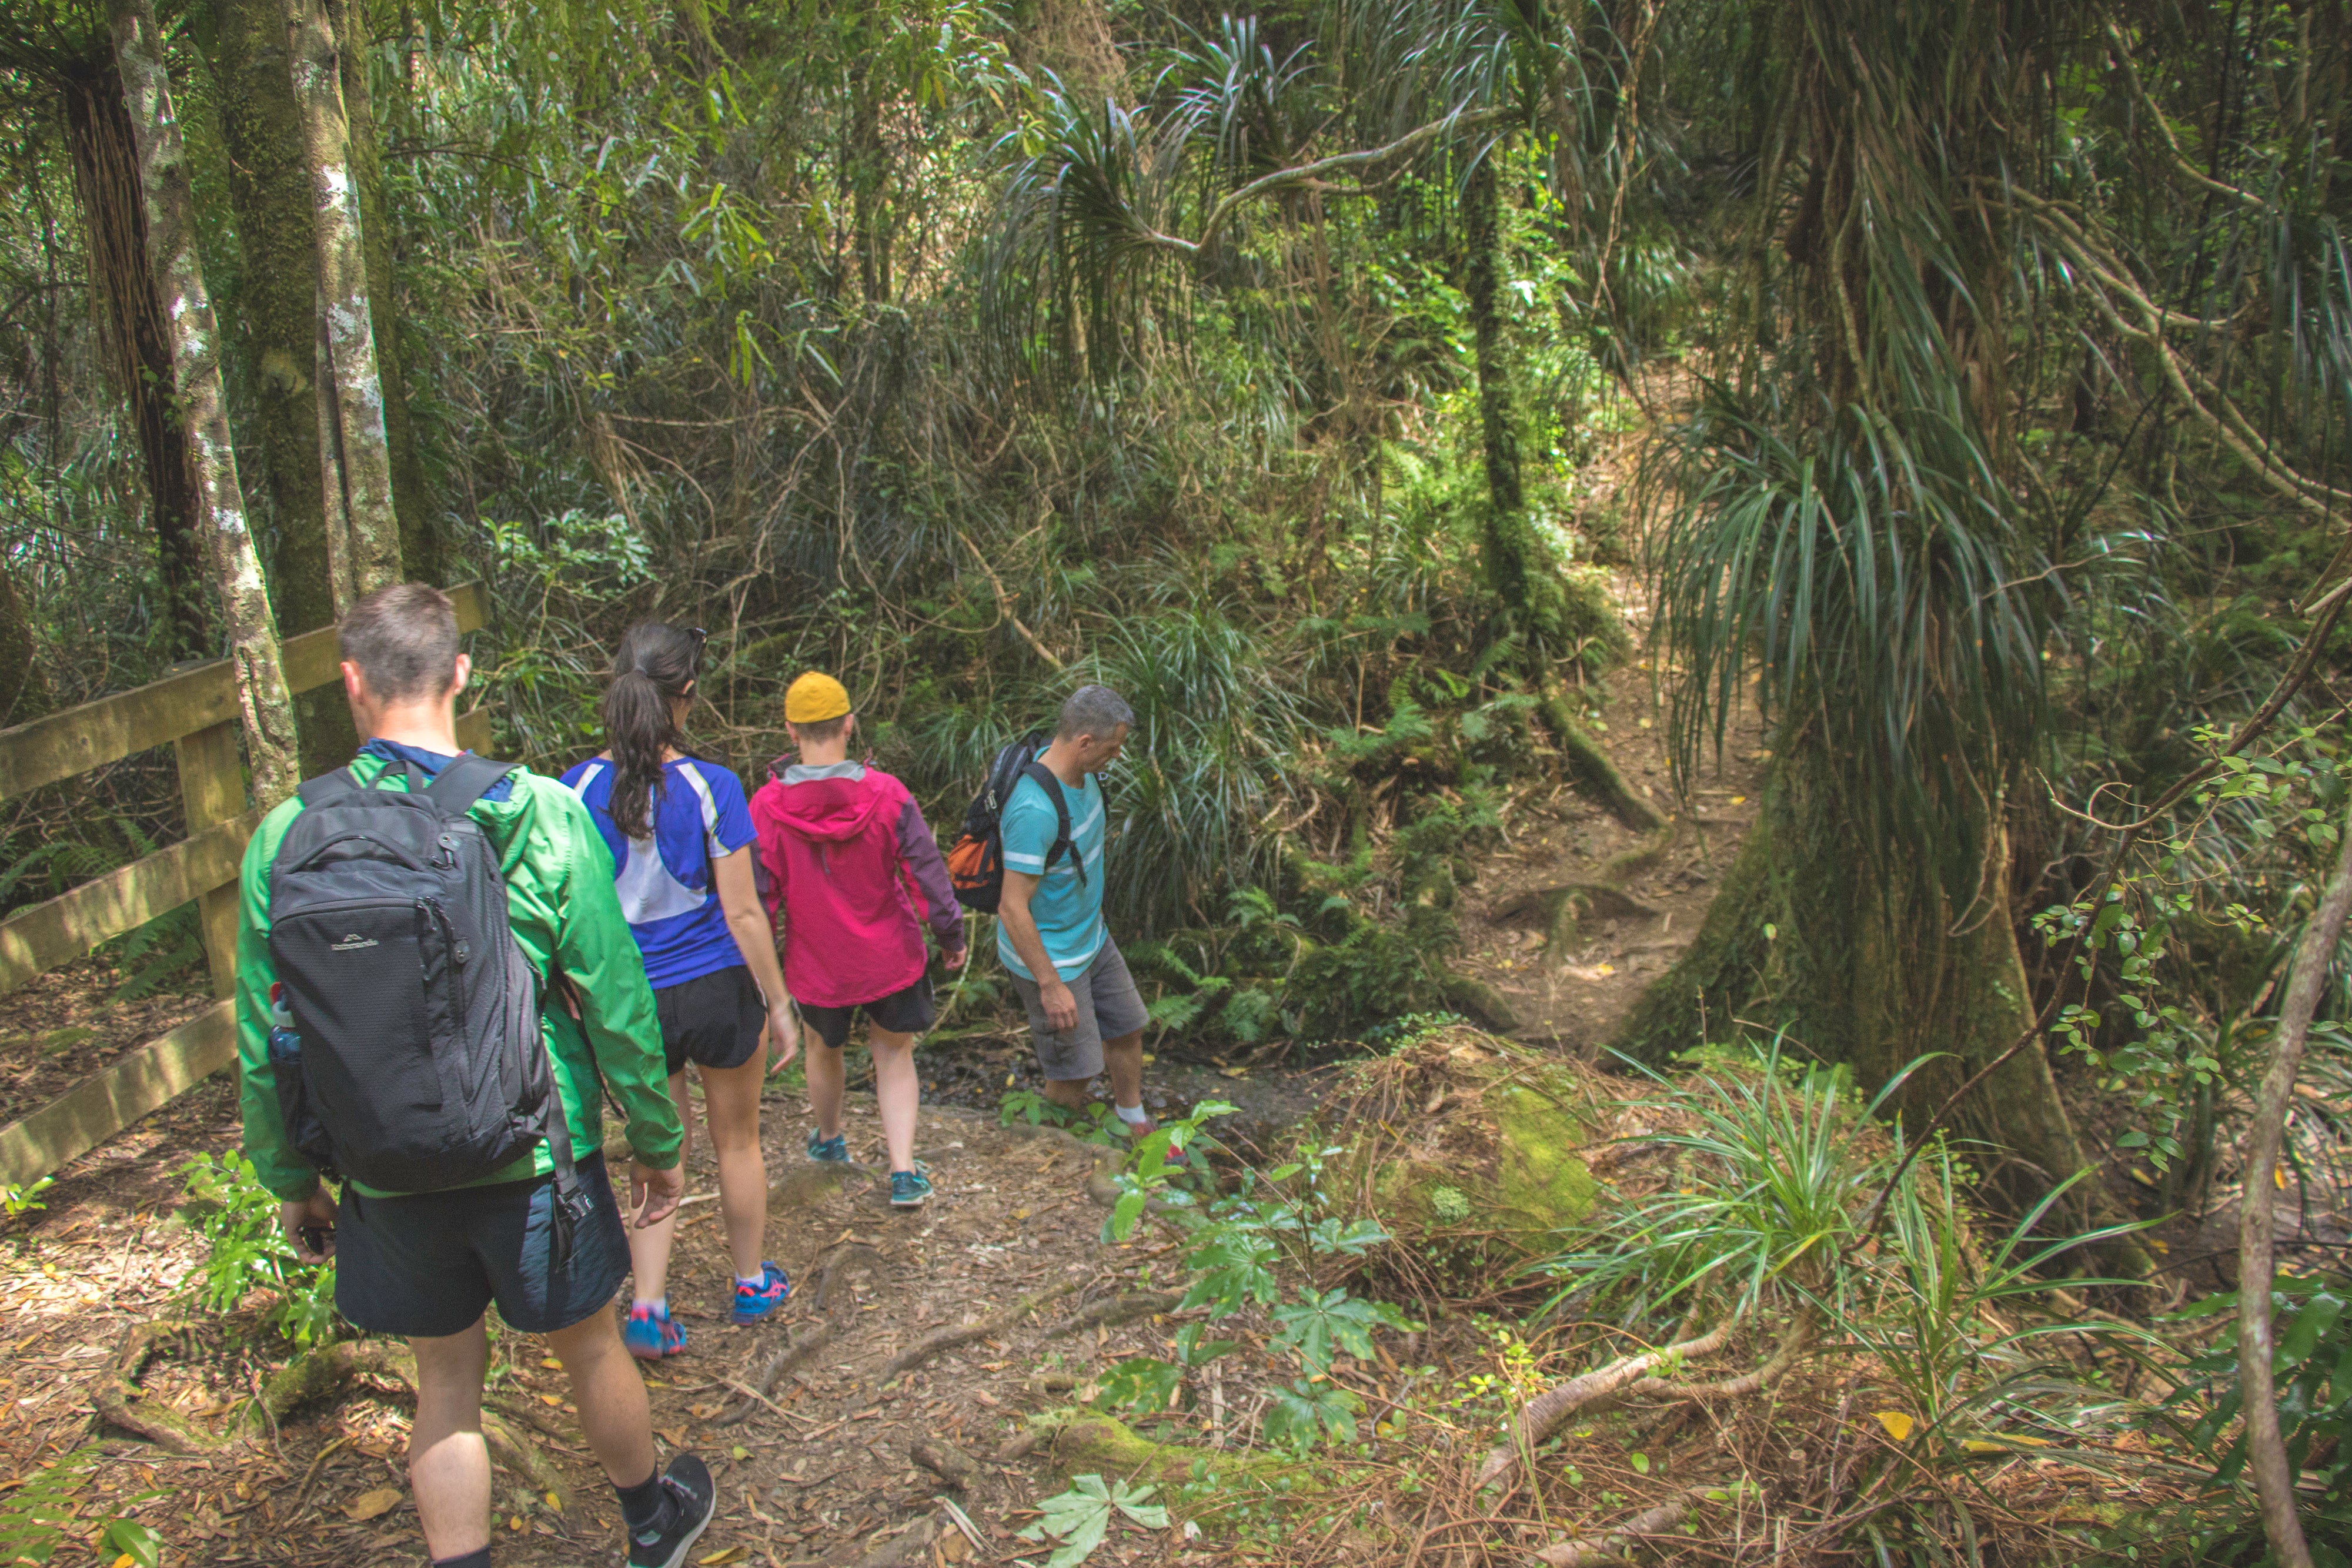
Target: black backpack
(976, 864)
(417, 1061)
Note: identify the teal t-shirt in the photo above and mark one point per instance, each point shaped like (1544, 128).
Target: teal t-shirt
(1066, 906)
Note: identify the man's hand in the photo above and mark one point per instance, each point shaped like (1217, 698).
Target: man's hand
(955, 959)
(316, 1214)
(783, 1037)
(1061, 1006)
(654, 1194)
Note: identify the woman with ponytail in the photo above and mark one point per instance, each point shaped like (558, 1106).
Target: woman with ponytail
(678, 828)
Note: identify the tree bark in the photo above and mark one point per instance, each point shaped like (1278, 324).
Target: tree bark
(1873, 970)
(1505, 544)
(412, 497)
(354, 438)
(179, 279)
(277, 311)
(24, 694)
(105, 157)
(2265, 1449)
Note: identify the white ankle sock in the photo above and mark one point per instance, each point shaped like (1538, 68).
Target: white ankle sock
(1133, 1115)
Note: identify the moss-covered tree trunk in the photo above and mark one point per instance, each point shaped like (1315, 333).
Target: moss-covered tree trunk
(412, 498)
(170, 208)
(1506, 541)
(1866, 966)
(277, 311)
(24, 694)
(138, 338)
(352, 390)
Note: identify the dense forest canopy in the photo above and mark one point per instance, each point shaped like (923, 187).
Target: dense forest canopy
(1950, 400)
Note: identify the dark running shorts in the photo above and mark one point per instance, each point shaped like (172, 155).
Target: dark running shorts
(713, 1019)
(426, 1265)
(910, 1011)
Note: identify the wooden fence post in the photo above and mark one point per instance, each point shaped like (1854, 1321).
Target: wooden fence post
(211, 789)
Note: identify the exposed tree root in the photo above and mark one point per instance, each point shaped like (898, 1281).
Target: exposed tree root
(1592, 767)
(1611, 1545)
(906, 1550)
(940, 1341)
(1100, 1186)
(1083, 1440)
(1790, 1350)
(1547, 1411)
(119, 1401)
(319, 1373)
(947, 1461)
(1467, 993)
(1641, 857)
(803, 1345)
(1112, 1310)
(840, 1263)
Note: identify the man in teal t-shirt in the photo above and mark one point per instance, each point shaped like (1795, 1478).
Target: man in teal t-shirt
(1085, 1013)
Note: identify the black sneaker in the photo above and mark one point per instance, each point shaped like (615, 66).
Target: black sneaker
(695, 1498)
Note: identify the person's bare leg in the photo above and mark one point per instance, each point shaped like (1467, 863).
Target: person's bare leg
(1123, 1059)
(1069, 1094)
(613, 1414)
(730, 1104)
(898, 1092)
(448, 1463)
(827, 1077)
(649, 1248)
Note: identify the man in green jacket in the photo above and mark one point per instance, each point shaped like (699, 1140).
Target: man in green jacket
(426, 1266)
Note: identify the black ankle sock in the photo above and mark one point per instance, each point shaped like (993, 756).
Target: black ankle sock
(645, 1506)
(477, 1558)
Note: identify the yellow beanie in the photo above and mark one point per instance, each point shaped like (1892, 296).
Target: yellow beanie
(813, 698)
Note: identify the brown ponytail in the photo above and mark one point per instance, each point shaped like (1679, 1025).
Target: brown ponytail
(655, 664)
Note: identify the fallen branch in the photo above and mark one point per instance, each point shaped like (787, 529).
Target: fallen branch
(947, 1461)
(801, 1348)
(1548, 1411)
(1608, 1546)
(940, 1341)
(1112, 1310)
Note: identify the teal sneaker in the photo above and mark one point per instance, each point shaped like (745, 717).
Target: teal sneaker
(832, 1151)
(755, 1298)
(649, 1334)
(911, 1189)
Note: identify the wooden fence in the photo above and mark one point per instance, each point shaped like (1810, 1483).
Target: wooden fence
(195, 713)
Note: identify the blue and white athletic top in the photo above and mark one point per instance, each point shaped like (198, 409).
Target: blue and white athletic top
(664, 882)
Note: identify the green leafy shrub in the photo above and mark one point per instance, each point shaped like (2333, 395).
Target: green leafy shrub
(246, 1249)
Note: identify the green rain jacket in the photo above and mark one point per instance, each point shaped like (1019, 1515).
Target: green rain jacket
(561, 902)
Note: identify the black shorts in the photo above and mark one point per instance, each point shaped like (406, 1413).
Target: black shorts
(426, 1265)
(910, 1011)
(714, 1019)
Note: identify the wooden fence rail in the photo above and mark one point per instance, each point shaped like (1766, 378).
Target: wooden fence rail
(194, 713)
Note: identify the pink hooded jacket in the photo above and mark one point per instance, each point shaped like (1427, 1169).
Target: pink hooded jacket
(850, 862)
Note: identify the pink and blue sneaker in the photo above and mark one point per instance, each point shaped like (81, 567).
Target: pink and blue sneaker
(755, 1298)
(649, 1334)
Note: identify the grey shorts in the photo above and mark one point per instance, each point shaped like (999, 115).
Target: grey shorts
(1108, 1007)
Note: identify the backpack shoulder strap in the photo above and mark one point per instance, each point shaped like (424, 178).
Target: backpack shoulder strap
(326, 787)
(1062, 840)
(465, 781)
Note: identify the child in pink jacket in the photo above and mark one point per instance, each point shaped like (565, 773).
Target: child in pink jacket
(852, 875)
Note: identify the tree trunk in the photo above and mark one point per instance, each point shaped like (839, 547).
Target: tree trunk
(1873, 969)
(420, 543)
(24, 694)
(353, 438)
(137, 339)
(1506, 545)
(179, 279)
(277, 309)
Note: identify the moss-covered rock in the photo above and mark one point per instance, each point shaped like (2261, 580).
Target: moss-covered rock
(1462, 1146)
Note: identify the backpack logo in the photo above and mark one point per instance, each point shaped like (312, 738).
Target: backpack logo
(352, 943)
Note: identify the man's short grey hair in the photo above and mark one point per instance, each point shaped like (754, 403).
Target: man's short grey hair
(1092, 710)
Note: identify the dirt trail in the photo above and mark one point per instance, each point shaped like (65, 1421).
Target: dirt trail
(820, 1472)
(1579, 997)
